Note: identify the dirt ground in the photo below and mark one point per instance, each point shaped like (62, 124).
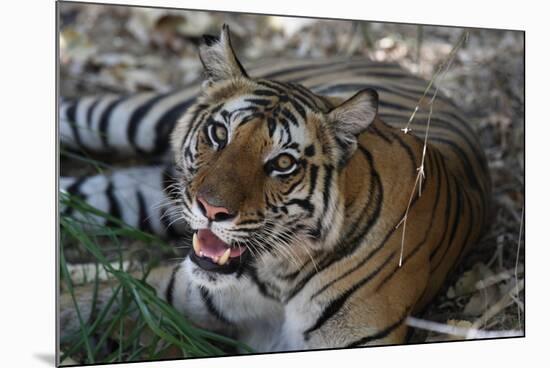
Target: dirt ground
(122, 49)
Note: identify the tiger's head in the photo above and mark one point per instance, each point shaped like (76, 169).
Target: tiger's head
(261, 164)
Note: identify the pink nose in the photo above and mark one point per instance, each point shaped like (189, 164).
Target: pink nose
(213, 212)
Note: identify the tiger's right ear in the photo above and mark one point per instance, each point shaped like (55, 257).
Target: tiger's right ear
(351, 118)
(218, 57)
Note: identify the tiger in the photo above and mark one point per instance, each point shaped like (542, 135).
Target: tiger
(316, 220)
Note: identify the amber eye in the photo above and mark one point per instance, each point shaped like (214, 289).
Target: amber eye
(218, 135)
(282, 164)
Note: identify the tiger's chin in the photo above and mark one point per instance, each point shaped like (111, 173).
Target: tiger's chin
(213, 255)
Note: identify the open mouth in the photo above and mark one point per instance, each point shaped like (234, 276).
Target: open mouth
(213, 254)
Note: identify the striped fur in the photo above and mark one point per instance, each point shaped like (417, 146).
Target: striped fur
(324, 240)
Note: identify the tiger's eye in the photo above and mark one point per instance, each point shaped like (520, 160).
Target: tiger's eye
(220, 133)
(217, 133)
(284, 162)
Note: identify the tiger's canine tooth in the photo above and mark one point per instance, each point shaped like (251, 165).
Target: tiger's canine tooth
(223, 259)
(196, 244)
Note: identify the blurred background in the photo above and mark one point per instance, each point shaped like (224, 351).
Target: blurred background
(122, 49)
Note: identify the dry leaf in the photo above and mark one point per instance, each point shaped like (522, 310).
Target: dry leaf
(481, 301)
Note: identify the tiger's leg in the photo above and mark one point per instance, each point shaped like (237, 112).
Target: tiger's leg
(170, 284)
(371, 309)
(232, 305)
(141, 197)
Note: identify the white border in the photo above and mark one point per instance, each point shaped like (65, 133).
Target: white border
(27, 151)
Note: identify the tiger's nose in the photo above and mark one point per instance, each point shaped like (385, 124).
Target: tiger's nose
(214, 213)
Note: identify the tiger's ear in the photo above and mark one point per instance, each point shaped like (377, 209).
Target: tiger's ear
(351, 118)
(218, 57)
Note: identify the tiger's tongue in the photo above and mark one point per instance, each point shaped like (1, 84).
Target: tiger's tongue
(212, 247)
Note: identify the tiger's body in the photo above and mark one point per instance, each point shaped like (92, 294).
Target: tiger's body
(296, 195)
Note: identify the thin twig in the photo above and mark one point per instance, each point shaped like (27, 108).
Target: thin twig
(502, 304)
(466, 333)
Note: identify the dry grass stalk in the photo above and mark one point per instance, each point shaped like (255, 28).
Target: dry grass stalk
(520, 307)
(497, 278)
(440, 73)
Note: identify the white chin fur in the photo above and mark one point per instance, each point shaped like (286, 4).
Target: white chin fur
(211, 280)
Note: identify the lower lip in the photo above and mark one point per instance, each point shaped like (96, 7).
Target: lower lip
(207, 264)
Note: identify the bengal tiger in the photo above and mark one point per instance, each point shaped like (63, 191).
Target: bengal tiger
(309, 226)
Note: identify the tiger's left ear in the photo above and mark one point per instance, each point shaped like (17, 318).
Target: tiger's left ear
(218, 57)
(351, 118)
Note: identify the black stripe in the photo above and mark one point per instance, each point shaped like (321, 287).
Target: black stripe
(409, 151)
(262, 287)
(469, 228)
(90, 112)
(298, 108)
(457, 218)
(197, 110)
(315, 70)
(143, 223)
(380, 334)
(207, 299)
(264, 92)
(304, 99)
(171, 285)
(103, 125)
(289, 116)
(436, 171)
(275, 85)
(165, 126)
(327, 185)
(249, 118)
(167, 223)
(448, 203)
(466, 163)
(74, 188)
(378, 133)
(401, 90)
(292, 187)
(396, 120)
(448, 126)
(114, 208)
(271, 125)
(308, 96)
(71, 117)
(370, 213)
(358, 239)
(356, 233)
(309, 67)
(313, 171)
(303, 203)
(259, 101)
(138, 115)
(316, 233)
(293, 274)
(356, 87)
(362, 71)
(408, 109)
(334, 306)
